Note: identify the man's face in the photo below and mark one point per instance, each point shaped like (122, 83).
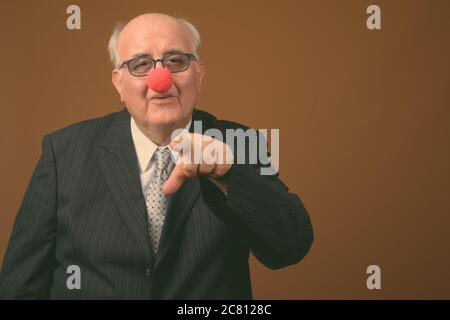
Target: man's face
(155, 36)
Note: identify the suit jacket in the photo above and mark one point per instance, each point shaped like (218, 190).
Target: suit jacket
(84, 206)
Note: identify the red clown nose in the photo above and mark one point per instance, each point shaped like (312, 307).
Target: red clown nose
(159, 80)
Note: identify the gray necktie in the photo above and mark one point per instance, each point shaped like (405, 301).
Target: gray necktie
(156, 201)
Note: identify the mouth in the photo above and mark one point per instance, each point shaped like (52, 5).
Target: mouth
(161, 97)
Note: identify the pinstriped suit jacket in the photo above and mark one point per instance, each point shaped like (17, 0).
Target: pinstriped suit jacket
(84, 206)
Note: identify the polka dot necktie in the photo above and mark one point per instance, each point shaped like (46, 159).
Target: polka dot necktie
(156, 201)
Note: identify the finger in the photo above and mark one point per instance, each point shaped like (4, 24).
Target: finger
(180, 142)
(205, 169)
(175, 180)
(175, 143)
(219, 170)
(190, 170)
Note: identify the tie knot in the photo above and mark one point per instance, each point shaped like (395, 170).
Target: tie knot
(162, 158)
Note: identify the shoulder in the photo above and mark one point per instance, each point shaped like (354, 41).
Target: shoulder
(86, 132)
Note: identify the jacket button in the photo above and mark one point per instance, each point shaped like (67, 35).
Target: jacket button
(149, 272)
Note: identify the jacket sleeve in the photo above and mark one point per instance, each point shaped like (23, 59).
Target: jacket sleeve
(30, 257)
(272, 221)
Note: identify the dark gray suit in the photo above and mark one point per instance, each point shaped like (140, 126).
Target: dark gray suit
(84, 206)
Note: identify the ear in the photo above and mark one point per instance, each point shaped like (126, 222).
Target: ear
(117, 82)
(200, 66)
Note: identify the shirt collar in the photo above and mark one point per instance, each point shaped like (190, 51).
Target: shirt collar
(145, 148)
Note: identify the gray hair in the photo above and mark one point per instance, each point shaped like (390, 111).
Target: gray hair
(113, 48)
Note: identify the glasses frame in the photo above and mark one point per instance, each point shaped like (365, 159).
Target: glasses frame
(190, 57)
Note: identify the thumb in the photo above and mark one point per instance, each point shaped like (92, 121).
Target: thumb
(177, 143)
(175, 180)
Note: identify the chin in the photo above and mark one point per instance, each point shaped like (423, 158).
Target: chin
(166, 116)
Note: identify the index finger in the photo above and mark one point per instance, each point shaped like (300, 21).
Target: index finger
(175, 180)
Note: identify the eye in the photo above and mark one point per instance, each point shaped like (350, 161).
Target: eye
(141, 65)
(175, 60)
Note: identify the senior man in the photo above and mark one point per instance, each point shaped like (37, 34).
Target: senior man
(109, 201)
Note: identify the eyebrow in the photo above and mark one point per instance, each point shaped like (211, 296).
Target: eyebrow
(165, 53)
(172, 51)
(141, 55)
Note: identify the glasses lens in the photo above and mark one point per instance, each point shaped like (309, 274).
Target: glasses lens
(176, 62)
(140, 67)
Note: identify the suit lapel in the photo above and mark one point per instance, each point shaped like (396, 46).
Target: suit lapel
(119, 167)
(179, 208)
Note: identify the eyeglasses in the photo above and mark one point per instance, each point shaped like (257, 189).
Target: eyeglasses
(177, 62)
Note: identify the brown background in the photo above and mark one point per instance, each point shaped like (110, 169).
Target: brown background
(363, 118)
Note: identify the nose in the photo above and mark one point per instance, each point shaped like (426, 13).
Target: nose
(159, 80)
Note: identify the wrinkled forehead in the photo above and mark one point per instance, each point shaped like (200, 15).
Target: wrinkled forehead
(153, 37)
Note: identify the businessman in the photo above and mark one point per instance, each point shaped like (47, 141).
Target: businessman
(115, 198)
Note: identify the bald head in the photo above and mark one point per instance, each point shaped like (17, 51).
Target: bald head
(151, 27)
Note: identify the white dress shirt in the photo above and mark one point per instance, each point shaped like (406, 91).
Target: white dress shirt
(145, 149)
